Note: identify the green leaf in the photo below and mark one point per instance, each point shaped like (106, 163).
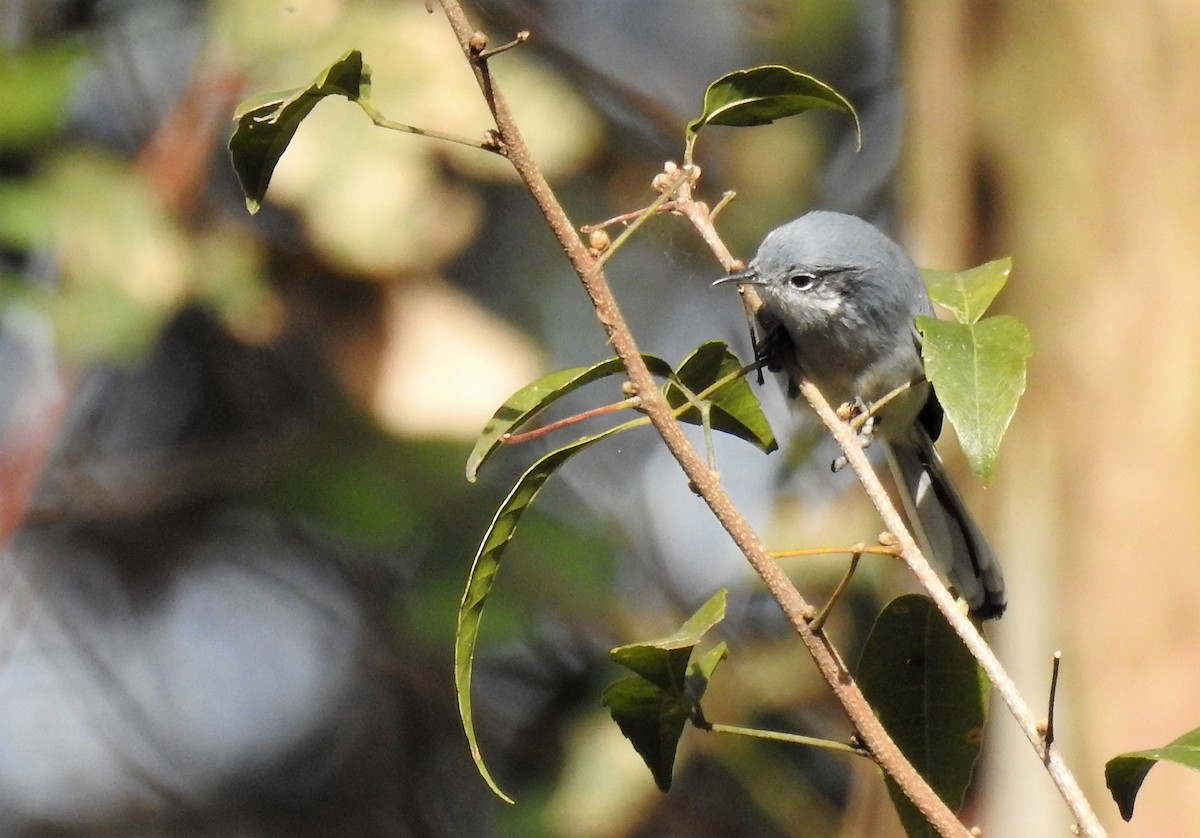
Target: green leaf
(931, 696)
(531, 399)
(652, 719)
(35, 86)
(967, 294)
(978, 372)
(1124, 774)
(761, 95)
(266, 125)
(735, 408)
(702, 669)
(483, 576)
(664, 662)
(652, 707)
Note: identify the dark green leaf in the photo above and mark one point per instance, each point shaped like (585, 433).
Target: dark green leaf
(967, 294)
(483, 575)
(652, 719)
(664, 662)
(266, 125)
(531, 399)
(652, 707)
(978, 372)
(735, 408)
(761, 95)
(930, 694)
(1124, 774)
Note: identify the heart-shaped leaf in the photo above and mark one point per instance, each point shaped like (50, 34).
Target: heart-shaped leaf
(978, 373)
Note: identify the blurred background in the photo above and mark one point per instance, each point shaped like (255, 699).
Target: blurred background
(234, 520)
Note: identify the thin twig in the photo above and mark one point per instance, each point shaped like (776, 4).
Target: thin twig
(830, 551)
(876, 406)
(624, 218)
(1048, 737)
(673, 184)
(705, 480)
(1086, 821)
(521, 38)
(721, 204)
(818, 622)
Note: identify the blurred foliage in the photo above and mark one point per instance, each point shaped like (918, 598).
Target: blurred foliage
(109, 259)
(125, 263)
(36, 85)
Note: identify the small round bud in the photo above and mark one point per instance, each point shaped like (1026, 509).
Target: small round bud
(598, 241)
(660, 182)
(887, 539)
(477, 43)
(628, 390)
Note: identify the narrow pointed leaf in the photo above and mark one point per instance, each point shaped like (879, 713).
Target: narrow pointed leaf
(761, 95)
(483, 577)
(735, 408)
(664, 662)
(266, 125)
(967, 294)
(1124, 774)
(531, 399)
(930, 695)
(978, 372)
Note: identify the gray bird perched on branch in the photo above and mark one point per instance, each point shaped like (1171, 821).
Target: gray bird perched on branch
(839, 303)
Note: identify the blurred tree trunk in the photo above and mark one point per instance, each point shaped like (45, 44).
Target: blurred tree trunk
(1069, 136)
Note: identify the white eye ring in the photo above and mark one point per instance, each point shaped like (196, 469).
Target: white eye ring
(802, 282)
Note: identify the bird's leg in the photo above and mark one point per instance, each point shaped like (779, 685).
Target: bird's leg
(861, 416)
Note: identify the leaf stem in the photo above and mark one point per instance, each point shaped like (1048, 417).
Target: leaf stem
(791, 738)
(517, 439)
(382, 121)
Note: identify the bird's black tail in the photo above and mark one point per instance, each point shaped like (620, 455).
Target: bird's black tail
(948, 534)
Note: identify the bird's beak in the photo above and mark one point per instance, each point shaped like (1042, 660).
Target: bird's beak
(746, 277)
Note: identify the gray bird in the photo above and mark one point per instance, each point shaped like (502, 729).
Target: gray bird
(839, 302)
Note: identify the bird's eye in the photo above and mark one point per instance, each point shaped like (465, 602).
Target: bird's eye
(802, 282)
